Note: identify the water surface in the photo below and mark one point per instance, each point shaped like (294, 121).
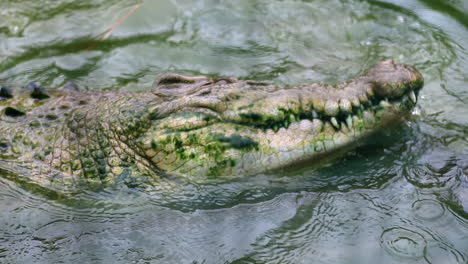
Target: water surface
(402, 198)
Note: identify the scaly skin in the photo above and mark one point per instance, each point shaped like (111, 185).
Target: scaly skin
(194, 127)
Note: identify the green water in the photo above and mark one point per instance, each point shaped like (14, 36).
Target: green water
(403, 198)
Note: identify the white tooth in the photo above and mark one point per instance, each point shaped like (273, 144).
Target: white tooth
(363, 98)
(385, 104)
(370, 91)
(332, 108)
(314, 114)
(412, 96)
(335, 122)
(349, 121)
(368, 117)
(344, 128)
(345, 106)
(355, 101)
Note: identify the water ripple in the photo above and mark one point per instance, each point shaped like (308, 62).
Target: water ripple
(442, 253)
(428, 210)
(404, 243)
(436, 169)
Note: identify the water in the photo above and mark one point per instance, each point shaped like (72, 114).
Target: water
(403, 198)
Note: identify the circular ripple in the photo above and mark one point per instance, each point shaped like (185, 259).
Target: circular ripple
(424, 177)
(403, 243)
(428, 210)
(446, 254)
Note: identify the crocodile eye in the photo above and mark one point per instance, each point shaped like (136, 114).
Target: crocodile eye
(173, 84)
(188, 121)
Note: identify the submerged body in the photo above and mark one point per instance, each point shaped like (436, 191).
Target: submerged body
(194, 127)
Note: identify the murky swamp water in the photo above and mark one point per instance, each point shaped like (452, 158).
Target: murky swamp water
(402, 198)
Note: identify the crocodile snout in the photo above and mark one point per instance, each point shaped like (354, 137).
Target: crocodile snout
(394, 80)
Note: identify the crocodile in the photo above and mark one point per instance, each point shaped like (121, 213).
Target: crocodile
(194, 127)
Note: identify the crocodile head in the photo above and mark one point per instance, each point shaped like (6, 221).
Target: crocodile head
(206, 126)
(194, 126)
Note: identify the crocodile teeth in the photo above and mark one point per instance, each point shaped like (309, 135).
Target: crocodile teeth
(370, 91)
(331, 108)
(355, 101)
(314, 114)
(412, 96)
(275, 128)
(363, 98)
(349, 121)
(384, 103)
(292, 118)
(345, 105)
(335, 123)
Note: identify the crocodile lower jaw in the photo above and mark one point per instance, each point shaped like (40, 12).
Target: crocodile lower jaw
(311, 138)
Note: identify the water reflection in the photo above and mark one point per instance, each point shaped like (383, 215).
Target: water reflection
(401, 197)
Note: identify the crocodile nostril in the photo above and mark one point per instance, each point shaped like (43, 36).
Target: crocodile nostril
(388, 63)
(394, 80)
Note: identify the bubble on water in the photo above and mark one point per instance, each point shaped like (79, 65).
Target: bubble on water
(416, 111)
(428, 210)
(403, 243)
